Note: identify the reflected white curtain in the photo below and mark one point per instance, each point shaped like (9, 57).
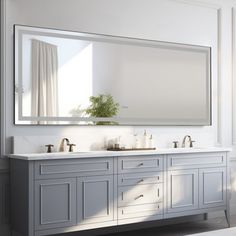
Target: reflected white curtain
(44, 88)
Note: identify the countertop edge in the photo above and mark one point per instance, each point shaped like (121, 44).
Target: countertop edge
(98, 154)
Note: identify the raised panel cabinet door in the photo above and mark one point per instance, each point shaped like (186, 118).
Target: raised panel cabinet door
(182, 190)
(95, 199)
(55, 201)
(212, 187)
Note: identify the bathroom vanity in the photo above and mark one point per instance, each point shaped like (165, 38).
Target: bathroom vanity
(63, 192)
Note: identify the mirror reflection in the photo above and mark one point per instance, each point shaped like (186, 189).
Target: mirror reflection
(74, 78)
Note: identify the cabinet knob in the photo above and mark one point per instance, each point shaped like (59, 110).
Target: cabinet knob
(141, 180)
(71, 145)
(191, 143)
(176, 143)
(49, 147)
(141, 164)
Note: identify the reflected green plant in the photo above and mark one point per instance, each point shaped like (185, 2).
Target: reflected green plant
(102, 106)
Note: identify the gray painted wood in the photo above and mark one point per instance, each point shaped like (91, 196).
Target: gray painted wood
(74, 195)
(4, 197)
(137, 164)
(55, 202)
(134, 211)
(140, 178)
(95, 199)
(196, 160)
(21, 197)
(71, 167)
(212, 187)
(140, 194)
(182, 190)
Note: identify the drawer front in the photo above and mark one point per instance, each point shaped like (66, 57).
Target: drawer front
(140, 210)
(182, 161)
(140, 194)
(140, 178)
(69, 168)
(140, 164)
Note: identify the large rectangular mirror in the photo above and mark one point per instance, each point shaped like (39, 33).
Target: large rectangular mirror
(64, 77)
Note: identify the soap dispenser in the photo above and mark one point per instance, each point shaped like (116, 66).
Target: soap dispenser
(145, 139)
(150, 143)
(136, 142)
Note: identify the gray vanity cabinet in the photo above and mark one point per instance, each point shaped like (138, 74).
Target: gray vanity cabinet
(81, 193)
(95, 199)
(212, 187)
(182, 190)
(140, 188)
(196, 181)
(54, 203)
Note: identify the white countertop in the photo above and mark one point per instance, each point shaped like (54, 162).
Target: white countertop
(104, 153)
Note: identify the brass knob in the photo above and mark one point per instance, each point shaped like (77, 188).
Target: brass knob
(49, 148)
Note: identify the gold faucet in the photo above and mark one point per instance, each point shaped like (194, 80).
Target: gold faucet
(190, 141)
(62, 148)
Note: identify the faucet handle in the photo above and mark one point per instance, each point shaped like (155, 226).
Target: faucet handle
(49, 147)
(71, 145)
(175, 144)
(191, 143)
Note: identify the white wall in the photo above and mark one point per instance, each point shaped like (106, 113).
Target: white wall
(210, 23)
(164, 20)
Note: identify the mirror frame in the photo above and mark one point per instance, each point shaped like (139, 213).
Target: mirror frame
(19, 119)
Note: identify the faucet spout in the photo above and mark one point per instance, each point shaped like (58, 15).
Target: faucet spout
(62, 145)
(184, 141)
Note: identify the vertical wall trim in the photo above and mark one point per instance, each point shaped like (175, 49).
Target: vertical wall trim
(219, 118)
(3, 78)
(233, 78)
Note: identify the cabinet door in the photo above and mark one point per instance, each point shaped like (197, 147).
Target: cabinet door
(95, 199)
(55, 203)
(212, 187)
(182, 190)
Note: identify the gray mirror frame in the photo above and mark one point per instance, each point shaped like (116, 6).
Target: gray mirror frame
(19, 119)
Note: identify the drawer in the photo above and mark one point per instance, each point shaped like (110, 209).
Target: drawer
(73, 167)
(140, 210)
(140, 194)
(197, 160)
(140, 178)
(140, 164)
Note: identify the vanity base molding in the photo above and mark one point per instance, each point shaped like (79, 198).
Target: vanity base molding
(57, 196)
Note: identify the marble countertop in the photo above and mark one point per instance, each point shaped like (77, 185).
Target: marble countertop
(104, 153)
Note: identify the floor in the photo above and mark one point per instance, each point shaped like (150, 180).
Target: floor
(180, 229)
(183, 228)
